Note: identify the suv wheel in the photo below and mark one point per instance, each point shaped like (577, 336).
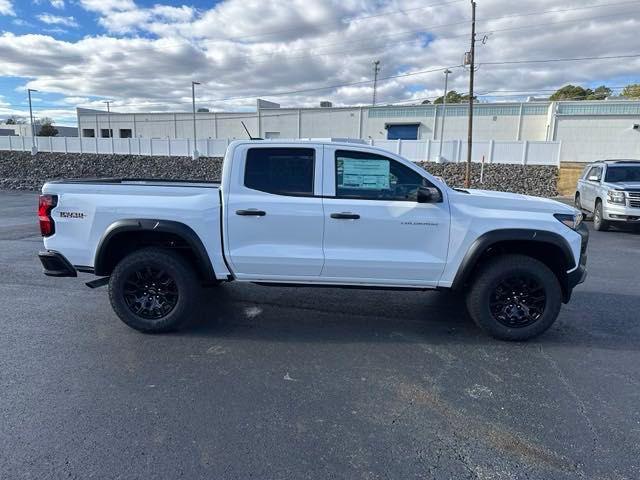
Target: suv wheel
(599, 223)
(153, 290)
(578, 204)
(514, 297)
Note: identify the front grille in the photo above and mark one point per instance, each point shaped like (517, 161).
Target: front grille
(634, 199)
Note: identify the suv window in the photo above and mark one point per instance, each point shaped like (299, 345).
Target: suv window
(282, 171)
(370, 176)
(595, 171)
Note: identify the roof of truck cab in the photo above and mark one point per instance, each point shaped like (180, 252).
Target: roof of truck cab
(342, 142)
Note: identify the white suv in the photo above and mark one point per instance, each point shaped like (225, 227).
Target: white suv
(610, 191)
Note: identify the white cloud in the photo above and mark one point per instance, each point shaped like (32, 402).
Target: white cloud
(6, 8)
(57, 20)
(107, 6)
(249, 48)
(59, 4)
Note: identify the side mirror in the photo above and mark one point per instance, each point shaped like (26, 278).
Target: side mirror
(593, 178)
(428, 195)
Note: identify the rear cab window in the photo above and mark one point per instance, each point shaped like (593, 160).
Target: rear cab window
(280, 171)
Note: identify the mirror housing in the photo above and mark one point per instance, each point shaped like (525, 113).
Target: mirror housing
(593, 178)
(428, 195)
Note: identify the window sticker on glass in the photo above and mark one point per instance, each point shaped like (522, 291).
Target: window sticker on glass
(363, 174)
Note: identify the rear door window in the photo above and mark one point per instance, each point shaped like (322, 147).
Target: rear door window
(281, 171)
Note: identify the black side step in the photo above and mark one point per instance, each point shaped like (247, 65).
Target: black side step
(98, 282)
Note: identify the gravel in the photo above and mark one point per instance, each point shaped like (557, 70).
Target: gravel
(22, 171)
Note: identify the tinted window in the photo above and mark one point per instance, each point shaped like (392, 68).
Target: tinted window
(283, 171)
(375, 177)
(629, 173)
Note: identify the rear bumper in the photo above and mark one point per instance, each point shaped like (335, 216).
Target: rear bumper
(56, 265)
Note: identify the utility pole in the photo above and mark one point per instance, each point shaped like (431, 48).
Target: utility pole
(195, 142)
(376, 70)
(109, 125)
(467, 176)
(34, 149)
(444, 112)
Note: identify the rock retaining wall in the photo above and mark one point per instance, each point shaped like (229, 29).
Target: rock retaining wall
(20, 170)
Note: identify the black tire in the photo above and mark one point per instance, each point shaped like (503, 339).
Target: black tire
(148, 306)
(578, 204)
(599, 223)
(518, 316)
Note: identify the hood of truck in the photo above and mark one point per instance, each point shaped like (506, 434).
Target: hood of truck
(515, 201)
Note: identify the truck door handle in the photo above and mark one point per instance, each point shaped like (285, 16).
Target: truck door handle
(345, 216)
(251, 212)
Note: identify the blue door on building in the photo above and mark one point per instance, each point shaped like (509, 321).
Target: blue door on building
(407, 131)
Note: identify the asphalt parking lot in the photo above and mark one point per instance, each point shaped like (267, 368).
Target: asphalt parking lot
(314, 383)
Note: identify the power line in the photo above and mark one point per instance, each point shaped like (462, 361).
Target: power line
(551, 60)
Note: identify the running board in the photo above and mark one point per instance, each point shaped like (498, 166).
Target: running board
(99, 282)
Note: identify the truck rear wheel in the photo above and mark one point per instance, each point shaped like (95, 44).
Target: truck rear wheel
(153, 290)
(514, 297)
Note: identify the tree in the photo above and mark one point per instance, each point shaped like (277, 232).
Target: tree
(47, 129)
(426, 102)
(570, 92)
(453, 97)
(600, 93)
(632, 91)
(576, 92)
(13, 120)
(203, 110)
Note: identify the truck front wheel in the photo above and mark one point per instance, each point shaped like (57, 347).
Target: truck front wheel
(514, 297)
(153, 290)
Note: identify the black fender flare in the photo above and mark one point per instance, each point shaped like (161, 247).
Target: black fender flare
(486, 240)
(205, 268)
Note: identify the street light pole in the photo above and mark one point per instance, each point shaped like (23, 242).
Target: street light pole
(193, 98)
(34, 149)
(444, 112)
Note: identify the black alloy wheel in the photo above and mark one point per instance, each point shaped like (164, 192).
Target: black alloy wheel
(150, 293)
(518, 301)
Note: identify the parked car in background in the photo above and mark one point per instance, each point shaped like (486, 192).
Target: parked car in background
(317, 213)
(610, 191)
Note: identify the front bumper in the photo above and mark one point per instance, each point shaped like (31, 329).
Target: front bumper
(578, 274)
(56, 265)
(621, 213)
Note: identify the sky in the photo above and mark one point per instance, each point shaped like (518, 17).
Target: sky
(142, 55)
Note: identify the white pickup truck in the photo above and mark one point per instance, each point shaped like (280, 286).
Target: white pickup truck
(320, 213)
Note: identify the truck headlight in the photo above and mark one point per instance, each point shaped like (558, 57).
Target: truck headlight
(615, 196)
(572, 221)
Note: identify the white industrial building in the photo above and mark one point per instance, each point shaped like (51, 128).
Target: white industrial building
(588, 130)
(24, 129)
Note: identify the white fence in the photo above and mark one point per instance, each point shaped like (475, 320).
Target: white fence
(520, 152)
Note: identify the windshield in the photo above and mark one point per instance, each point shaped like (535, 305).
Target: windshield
(629, 173)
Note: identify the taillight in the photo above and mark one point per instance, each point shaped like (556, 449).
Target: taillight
(46, 203)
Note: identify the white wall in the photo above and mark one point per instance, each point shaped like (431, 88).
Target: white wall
(585, 139)
(588, 130)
